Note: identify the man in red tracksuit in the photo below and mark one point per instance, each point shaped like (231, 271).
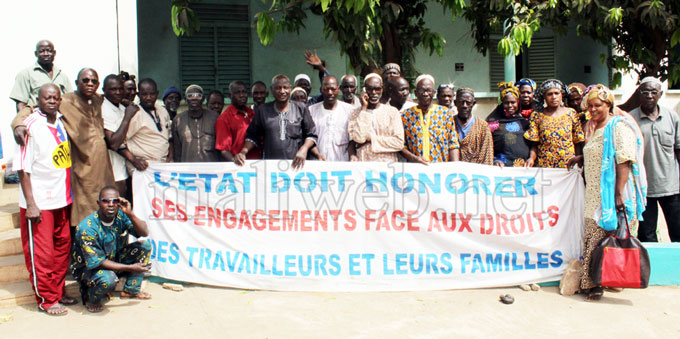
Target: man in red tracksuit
(44, 166)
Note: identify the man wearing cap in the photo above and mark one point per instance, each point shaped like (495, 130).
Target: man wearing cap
(376, 129)
(171, 99)
(398, 91)
(348, 87)
(660, 128)
(474, 135)
(148, 137)
(232, 124)
(284, 129)
(429, 129)
(116, 122)
(28, 82)
(193, 131)
(389, 71)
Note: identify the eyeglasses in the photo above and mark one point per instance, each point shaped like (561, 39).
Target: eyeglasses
(646, 93)
(116, 201)
(88, 80)
(194, 95)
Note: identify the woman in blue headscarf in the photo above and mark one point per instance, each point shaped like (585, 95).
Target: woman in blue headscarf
(615, 176)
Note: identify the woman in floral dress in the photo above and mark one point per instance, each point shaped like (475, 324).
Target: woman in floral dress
(556, 132)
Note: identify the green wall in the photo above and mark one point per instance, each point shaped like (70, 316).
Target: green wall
(157, 44)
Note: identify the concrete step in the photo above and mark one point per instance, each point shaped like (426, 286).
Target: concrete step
(9, 220)
(21, 293)
(10, 242)
(9, 207)
(13, 268)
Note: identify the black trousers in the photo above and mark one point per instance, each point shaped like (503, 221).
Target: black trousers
(671, 211)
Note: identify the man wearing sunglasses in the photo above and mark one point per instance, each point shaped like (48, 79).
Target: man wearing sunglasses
(101, 252)
(82, 119)
(28, 82)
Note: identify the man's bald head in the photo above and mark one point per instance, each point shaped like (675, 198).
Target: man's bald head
(87, 82)
(330, 79)
(398, 91)
(396, 82)
(42, 43)
(49, 98)
(45, 52)
(44, 89)
(329, 91)
(86, 69)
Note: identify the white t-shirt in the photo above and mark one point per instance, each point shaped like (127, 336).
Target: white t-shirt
(47, 157)
(113, 116)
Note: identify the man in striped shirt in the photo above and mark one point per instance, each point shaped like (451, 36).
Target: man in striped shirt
(44, 166)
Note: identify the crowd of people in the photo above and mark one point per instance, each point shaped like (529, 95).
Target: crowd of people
(79, 148)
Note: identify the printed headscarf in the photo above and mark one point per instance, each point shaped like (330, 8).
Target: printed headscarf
(577, 87)
(527, 82)
(548, 85)
(507, 88)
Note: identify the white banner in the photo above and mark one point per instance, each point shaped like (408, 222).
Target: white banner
(359, 226)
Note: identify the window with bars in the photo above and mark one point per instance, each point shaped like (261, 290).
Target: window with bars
(537, 61)
(220, 52)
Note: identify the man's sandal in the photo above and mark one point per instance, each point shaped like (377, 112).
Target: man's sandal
(140, 295)
(56, 310)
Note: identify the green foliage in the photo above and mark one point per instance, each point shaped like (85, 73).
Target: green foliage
(184, 20)
(643, 33)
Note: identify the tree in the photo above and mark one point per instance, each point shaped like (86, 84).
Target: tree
(645, 34)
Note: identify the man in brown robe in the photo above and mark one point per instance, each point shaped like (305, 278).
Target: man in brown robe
(90, 163)
(476, 142)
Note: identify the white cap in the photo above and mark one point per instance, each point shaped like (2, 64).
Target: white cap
(302, 76)
(423, 77)
(372, 75)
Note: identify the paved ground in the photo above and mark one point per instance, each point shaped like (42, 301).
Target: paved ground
(226, 313)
